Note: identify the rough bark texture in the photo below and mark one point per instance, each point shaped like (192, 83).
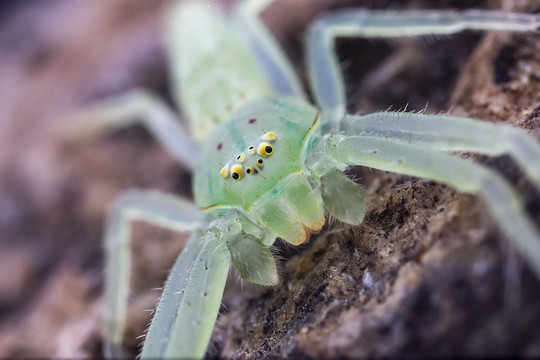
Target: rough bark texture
(427, 273)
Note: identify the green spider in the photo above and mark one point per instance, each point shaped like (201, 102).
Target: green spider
(268, 164)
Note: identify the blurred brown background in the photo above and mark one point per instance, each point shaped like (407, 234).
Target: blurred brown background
(426, 274)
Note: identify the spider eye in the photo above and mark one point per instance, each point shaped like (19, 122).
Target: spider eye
(265, 149)
(225, 171)
(241, 158)
(269, 136)
(260, 163)
(250, 170)
(251, 150)
(237, 172)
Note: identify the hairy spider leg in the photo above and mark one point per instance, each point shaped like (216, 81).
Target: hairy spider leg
(466, 176)
(277, 67)
(404, 143)
(160, 328)
(325, 77)
(154, 207)
(136, 106)
(190, 301)
(452, 133)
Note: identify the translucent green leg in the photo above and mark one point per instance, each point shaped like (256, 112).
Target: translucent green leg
(154, 207)
(451, 133)
(323, 65)
(464, 175)
(137, 106)
(189, 306)
(159, 332)
(278, 68)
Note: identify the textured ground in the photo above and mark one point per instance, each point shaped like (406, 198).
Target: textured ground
(427, 274)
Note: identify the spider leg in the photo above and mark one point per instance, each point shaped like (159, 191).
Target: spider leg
(451, 133)
(195, 289)
(464, 175)
(136, 106)
(190, 302)
(154, 207)
(323, 65)
(278, 68)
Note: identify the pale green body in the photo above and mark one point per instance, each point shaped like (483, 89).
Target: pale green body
(211, 99)
(237, 90)
(290, 120)
(230, 103)
(262, 194)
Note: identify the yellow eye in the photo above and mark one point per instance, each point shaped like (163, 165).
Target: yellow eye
(241, 158)
(225, 171)
(250, 170)
(237, 172)
(260, 163)
(269, 136)
(251, 150)
(265, 149)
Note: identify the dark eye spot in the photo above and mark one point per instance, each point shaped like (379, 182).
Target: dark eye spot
(219, 146)
(241, 158)
(265, 149)
(251, 121)
(237, 172)
(248, 170)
